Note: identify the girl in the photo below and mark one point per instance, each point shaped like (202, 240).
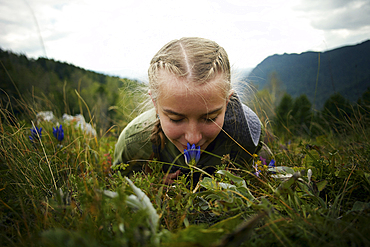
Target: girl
(190, 87)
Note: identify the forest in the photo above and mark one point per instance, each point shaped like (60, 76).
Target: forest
(58, 186)
(59, 87)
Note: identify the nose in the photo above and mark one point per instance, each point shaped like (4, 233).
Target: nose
(193, 134)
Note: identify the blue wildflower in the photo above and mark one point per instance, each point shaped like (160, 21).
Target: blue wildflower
(58, 133)
(35, 134)
(192, 154)
(272, 165)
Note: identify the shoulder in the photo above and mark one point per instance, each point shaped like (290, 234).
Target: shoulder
(134, 140)
(242, 123)
(141, 122)
(138, 129)
(254, 124)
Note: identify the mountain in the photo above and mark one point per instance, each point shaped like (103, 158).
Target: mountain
(345, 70)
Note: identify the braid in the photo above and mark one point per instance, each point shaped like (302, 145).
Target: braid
(157, 138)
(195, 59)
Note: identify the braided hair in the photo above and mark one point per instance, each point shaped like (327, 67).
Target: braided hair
(158, 139)
(196, 59)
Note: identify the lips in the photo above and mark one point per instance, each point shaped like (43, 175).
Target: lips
(185, 146)
(201, 146)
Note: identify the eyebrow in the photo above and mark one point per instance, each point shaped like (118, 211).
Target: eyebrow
(179, 114)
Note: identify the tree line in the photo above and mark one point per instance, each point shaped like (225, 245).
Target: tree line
(296, 117)
(47, 85)
(289, 117)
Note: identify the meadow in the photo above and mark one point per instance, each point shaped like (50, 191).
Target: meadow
(60, 189)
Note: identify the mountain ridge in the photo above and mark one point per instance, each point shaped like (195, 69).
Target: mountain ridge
(344, 70)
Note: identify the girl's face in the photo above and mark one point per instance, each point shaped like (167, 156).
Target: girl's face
(192, 116)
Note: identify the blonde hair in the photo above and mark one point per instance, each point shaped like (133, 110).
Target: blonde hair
(196, 59)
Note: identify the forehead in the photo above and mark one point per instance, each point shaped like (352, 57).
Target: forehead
(171, 86)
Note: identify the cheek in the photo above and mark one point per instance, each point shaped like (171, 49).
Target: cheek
(212, 130)
(171, 130)
(210, 134)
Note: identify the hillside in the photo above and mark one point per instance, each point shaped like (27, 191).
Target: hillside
(344, 70)
(48, 85)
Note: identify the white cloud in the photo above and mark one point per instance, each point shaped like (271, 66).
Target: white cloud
(124, 35)
(335, 15)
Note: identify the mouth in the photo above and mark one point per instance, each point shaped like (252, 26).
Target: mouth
(186, 147)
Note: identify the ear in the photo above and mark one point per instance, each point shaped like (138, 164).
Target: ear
(228, 98)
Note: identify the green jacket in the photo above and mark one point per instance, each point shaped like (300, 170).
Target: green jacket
(241, 123)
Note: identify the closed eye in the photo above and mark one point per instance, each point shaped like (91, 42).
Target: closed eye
(210, 120)
(207, 120)
(176, 120)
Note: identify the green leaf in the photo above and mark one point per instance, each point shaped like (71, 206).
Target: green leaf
(286, 185)
(359, 206)
(229, 224)
(213, 197)
(209, 183)
(282, 169)
(238, 180)
(321, 185)
(367, 176)
(223, 190)
(227, 186)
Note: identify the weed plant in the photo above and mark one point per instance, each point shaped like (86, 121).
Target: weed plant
(64, 193)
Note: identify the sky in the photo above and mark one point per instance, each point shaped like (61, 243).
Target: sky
(119, 37)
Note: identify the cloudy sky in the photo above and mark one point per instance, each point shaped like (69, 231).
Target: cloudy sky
(121, 36)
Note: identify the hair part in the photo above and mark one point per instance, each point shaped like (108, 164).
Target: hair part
(195, 59)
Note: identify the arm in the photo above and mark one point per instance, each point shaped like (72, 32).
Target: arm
(133, 146)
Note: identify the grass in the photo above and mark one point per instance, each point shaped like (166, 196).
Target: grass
(65, 194)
